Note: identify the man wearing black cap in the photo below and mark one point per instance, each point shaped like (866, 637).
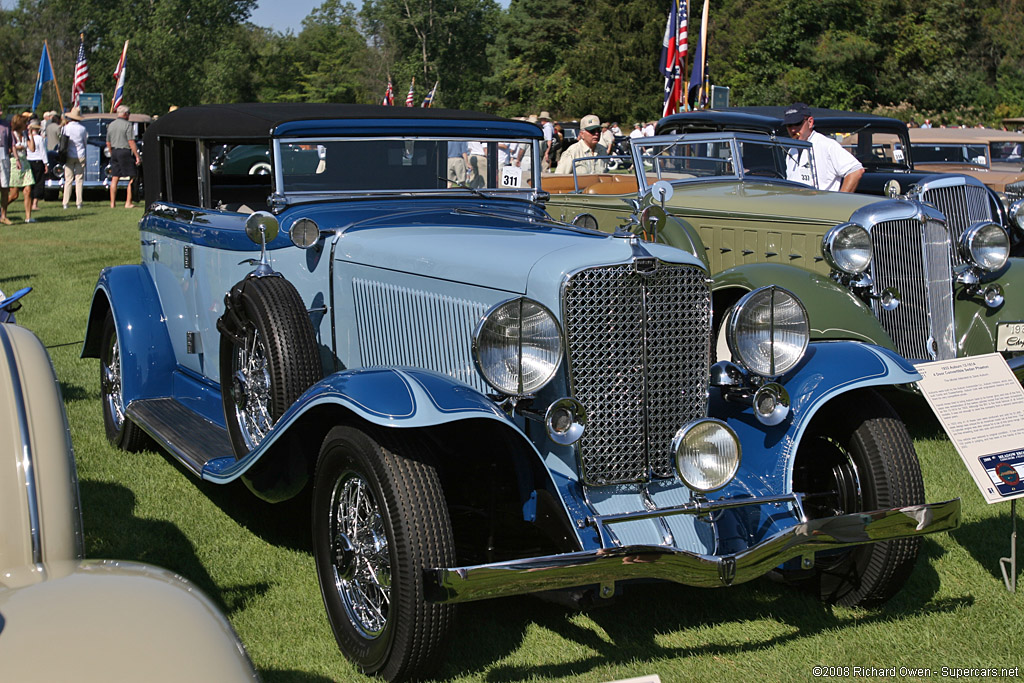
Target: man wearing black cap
(586, 146)
(834, 168)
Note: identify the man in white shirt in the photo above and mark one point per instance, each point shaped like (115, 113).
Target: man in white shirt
(548, 129)
(834, 168)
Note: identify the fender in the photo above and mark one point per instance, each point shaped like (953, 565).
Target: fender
(147, 358)
(769, 452)
(403, 398)
(975, 322)
(834, 312)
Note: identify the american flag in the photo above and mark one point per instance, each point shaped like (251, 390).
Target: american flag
(412, 95)
(674, 48)
(389, 95)
(81, 74)
(119, 74)
(429, 99)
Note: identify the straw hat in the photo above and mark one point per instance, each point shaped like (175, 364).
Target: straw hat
(75, 114)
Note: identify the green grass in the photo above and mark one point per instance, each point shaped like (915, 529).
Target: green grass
(254, 559)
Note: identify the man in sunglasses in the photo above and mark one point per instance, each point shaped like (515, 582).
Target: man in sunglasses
(834, 167)
(586, 146)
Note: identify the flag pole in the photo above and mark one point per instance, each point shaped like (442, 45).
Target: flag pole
(702, 91)
(684, 101)
(60, 102)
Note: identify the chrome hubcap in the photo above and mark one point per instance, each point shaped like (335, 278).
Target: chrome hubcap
(359, 552)
(250, 389)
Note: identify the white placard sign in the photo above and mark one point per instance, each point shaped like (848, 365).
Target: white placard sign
(511, 176)
(981, 406)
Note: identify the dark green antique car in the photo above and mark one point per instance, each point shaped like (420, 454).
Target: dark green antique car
(927, 273)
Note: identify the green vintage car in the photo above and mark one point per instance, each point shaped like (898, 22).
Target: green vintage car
(927, 274)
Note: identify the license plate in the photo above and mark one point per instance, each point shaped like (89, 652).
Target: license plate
(1010, 336)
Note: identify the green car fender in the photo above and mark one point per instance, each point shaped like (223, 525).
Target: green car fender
(975, 322)
(834, 312)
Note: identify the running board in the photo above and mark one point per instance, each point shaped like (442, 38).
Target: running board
(185, 434)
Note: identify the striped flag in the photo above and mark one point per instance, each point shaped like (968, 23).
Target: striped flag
(674, 48)
(411, 96)
(389, 95)
(81, 73)
(119, 74)
(429, 99)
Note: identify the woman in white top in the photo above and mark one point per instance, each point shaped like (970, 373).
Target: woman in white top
(21, 171)
(37, 160)
(74, 165)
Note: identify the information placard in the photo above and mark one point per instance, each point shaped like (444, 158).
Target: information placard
(980, 404)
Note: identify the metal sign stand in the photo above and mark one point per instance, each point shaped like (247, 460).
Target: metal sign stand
(1011, 580)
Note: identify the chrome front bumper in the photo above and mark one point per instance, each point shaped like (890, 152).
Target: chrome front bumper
(608, 565)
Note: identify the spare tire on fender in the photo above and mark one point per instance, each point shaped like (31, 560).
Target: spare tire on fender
(268, 357)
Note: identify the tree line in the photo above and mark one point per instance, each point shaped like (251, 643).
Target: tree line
(954, 61)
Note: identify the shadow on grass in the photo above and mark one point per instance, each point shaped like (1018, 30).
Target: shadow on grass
(988, 540)
(292, 676)
(75, 392)
(115, 532)
(635, 622)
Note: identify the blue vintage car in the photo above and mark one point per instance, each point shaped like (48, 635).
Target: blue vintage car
(485, 401)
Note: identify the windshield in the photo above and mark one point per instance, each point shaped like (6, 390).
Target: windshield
(952, 153)
(735, 157)
(875, 149)
(403, 165)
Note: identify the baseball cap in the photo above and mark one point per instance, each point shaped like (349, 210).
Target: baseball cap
(795, 113)
(590, 122)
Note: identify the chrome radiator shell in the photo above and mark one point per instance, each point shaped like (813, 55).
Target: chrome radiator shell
(963, 200)
(638, 353)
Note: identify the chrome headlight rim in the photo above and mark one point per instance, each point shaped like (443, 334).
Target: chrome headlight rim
(745, 310)
(836, 254)
(680, 441)
(304, 233)
(477, 349)
(972, 246)
(1016, 214)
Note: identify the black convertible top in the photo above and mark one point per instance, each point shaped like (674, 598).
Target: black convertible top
(257, 120)
(769, 120)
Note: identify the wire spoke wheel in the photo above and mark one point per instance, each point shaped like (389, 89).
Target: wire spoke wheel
(120, 430)
(250, 378)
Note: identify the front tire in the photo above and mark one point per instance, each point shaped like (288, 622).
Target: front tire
(275, 362)
(860, 454)
(380, 520)
(121, 431)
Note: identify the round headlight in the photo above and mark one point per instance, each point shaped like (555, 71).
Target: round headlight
(768, 331)
(1017, 214)
(847, 248)
(517, 346)
(985, 245)
(707, 454)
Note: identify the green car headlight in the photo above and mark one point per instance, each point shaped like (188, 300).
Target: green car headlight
(1017, 214)
(517, 347)
(768, 331)
(847, 248)
(707, 454)
(985, 245)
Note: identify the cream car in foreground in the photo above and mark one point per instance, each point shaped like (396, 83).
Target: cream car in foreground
(65, 618)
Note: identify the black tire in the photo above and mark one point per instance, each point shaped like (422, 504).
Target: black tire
(408, 530)
(121, 431)
(277, 362)
(859, 444)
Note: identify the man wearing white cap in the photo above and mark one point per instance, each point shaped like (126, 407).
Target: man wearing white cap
(586, 146)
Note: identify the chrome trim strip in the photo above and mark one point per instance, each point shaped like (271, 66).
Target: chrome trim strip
(607, 565)
(31, 493)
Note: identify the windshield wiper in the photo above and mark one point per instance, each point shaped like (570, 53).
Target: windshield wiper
(464, 186)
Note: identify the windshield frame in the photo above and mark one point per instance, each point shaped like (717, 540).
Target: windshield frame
(733, 139)
(289, 197)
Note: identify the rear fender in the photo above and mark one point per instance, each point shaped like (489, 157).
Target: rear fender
(834, 312)
(147, 358)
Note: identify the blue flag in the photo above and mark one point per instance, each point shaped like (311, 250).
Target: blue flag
(45, 75)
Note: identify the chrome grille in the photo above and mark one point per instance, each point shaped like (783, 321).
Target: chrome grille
(1015, 191)
(405, 326)
(914, 258)
(963, 205)
(638, 354)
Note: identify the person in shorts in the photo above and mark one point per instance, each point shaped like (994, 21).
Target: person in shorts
(5, 167)
(124, 155)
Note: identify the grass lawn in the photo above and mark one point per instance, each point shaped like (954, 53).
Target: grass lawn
(254, 558)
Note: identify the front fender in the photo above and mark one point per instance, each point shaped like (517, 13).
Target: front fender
(976, 322)
(405, 398)
(834, 312)
(829, 370)
(147, 358)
